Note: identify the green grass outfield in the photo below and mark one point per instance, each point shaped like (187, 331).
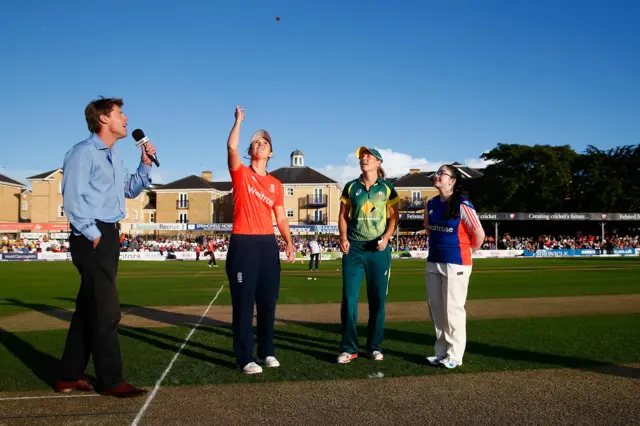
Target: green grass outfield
(28, 360)
(28, 285)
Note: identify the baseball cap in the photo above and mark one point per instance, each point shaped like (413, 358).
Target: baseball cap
(262, 134)
(373, 151)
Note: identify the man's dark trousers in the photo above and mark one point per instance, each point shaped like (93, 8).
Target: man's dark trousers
(315, 256)
(94, 325)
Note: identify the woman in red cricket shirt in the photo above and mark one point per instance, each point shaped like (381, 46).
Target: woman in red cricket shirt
(253, 260)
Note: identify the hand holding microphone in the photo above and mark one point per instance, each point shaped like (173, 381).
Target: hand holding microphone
(148, 150)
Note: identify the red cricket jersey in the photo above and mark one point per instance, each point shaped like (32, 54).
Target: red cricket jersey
(254, 198)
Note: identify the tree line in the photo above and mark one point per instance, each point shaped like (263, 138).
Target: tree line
(545, 178)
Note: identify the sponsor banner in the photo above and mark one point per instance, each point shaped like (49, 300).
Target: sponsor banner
(411, 216)
(542, 216)
(581, 252)
(32, 235)
(16, 226)
(627, 251)
(295, 229)
(59, 235)
(141, 255)
(50, 256)
(158, 226)
(419, 254)
(17, 257)
(485, 254)
(210, 227)
(327, 229)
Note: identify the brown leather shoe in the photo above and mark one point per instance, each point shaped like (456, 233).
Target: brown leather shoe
(82, 385)
(125, 390)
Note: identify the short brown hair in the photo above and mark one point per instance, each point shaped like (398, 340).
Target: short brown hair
(98, 107)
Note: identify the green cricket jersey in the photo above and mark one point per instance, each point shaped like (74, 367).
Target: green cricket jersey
(368, 213)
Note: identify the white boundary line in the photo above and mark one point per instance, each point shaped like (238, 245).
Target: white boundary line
(175, 357)
(16, 398)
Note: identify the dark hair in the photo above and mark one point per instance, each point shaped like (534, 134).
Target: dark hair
(453, 207)
(98, 107)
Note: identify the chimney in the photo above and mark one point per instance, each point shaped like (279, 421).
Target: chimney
(414, 171)
(208, 176)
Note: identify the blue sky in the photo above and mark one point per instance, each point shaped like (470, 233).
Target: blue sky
(425, 81)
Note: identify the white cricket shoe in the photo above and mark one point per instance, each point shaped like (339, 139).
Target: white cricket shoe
(450, 363)
(435, 360)
(269, 361)
(345, 357)
(377, 356)
(252, 368)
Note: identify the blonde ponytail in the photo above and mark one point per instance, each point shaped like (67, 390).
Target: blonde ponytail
(381, 173)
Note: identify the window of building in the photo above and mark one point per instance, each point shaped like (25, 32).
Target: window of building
(25, 205)
(60, 188)
(221, 217)
(135, 215)
(290, 213)
(152, 217)
(126, 213)
(183, 218)
(317, 196)
(60, 210)
(183, 200)
(289, 191)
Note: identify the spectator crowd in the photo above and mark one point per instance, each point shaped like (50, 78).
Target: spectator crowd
(416, 242)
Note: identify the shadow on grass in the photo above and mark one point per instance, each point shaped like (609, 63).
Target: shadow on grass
(494, 351)
(155, 339)
(164, 317)
(43, 365)
(321, 348)
(54, 311)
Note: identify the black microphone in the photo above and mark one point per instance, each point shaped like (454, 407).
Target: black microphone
(141, 139)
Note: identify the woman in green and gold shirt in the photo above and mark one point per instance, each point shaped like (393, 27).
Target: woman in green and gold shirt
(368, 218)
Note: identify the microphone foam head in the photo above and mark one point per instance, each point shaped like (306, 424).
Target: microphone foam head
(137, 134)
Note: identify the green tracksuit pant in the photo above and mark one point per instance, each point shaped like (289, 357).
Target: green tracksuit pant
(364, 259)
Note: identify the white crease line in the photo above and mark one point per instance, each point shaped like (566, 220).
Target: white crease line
(175, 357)
(17, 398)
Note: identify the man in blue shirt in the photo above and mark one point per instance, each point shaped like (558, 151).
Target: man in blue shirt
(94, 187)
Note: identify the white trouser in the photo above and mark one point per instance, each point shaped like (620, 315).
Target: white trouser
(447, 286)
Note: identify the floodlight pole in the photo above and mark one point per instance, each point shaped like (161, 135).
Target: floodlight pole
(495, 224)
(602, 234)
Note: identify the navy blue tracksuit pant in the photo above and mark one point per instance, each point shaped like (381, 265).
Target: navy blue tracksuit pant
(253, 269)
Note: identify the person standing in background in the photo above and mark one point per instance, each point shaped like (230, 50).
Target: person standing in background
(314, 254)
(212, 253)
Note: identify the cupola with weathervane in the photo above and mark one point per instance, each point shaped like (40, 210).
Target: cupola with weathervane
(297, 158)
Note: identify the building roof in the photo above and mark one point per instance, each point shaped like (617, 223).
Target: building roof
(413, 180)
(300, 175)
(296, 152)
(8, 181)
(222, 186)
(189, 182)
(467, 172)
(44, 175)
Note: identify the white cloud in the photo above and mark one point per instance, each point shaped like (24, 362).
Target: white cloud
(395, 164)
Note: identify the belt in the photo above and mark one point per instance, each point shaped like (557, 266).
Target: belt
(115, 225)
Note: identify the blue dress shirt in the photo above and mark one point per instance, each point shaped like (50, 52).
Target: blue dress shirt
(95, 184)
